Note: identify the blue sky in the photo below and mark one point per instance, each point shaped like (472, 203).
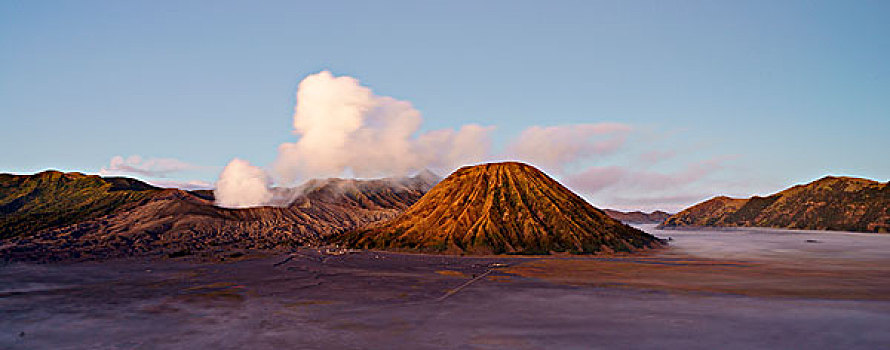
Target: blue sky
(777, 92)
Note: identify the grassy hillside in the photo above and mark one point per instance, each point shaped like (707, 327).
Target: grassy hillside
(29, 203)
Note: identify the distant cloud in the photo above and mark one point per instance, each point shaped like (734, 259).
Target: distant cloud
(183, 185)
(596, 179)
(671, 203)
(555, 147)
(638, 186)
(148, 167)
(655, 156)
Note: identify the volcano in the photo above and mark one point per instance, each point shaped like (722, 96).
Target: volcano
(500, 208)
(55, 216)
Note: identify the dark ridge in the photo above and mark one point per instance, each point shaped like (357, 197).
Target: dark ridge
(203, 194)
(128, 184)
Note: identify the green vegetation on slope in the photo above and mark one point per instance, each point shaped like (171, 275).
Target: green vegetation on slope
(29, 203)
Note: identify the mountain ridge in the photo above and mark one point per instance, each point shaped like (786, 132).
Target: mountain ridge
(29, 203)
(163, 221)
(839, 203)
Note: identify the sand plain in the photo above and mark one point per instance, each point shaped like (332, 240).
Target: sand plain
(728, 289)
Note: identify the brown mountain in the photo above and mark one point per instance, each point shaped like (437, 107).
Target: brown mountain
(638, 217)
(500, 208)
(148, 220)
(830, 203)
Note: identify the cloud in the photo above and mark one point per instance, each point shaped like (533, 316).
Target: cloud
(655, 156)
(671, 203)
(183, 185)
(344, 128)
(149, 167)
(625, 187)
(596, 179)
(692, 173)
(555, 147)
(242, 185)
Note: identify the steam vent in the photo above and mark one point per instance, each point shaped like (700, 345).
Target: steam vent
(501, 208)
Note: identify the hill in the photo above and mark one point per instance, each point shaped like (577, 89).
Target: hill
(500, 208)
(638, 217)
(830, 203)
(30, 203)
(155, 221)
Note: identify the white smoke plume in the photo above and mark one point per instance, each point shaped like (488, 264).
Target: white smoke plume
(346, 130)
(242, 185)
